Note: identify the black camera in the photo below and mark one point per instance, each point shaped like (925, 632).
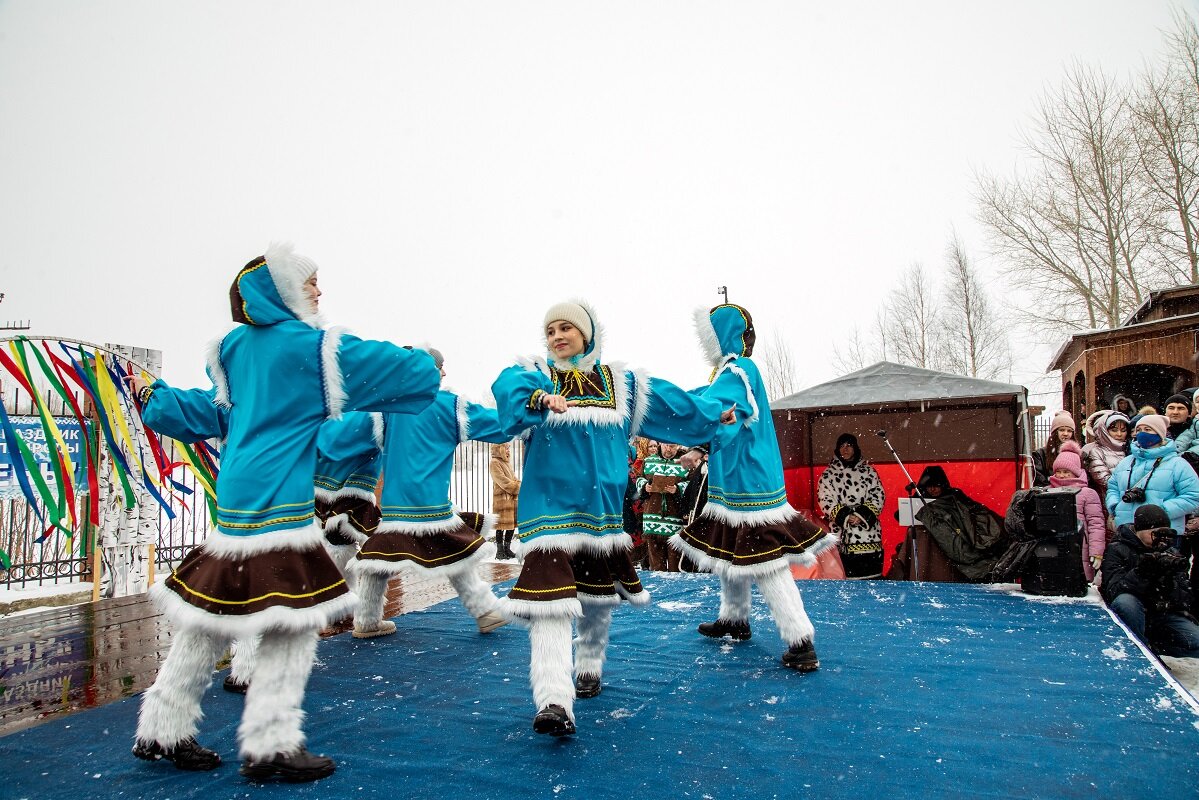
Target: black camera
(1164, 537)
(1135, 494)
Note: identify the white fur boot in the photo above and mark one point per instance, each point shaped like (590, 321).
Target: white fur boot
(550, 665)
(272, 720)
(342, 555)
(734, 598)
(476, 596)
(245, 656)
(171, 707)
(786, 606)
(591, 648)
(368, 614)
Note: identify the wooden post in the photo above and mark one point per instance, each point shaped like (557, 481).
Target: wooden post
(150, 568)
(97, 565)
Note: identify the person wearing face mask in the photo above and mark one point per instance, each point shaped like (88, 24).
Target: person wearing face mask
(1145, 583)
(1108, 448)
(1153, 473)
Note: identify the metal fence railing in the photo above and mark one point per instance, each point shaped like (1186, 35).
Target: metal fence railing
(470, 485)
(39, 560)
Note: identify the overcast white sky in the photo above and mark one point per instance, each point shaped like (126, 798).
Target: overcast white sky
(457, 167)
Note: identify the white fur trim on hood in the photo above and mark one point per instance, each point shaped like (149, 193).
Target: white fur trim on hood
(290, 271)
(590, 356)
(709, 342)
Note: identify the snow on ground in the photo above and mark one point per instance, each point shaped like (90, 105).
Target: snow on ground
(19, 595)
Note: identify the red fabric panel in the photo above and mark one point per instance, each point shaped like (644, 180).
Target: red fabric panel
(992, 483)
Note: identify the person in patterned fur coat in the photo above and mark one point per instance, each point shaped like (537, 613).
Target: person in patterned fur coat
(851, 497)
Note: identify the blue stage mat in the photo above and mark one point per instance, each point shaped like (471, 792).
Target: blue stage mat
(926, 691)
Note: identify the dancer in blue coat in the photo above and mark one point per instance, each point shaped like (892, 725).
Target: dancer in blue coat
(347, 471)
(349, 462)
(420, 530)
(577, 415)
(748, 531)
(263, 571)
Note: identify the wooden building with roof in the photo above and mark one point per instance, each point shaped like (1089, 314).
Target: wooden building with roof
(1154, 354)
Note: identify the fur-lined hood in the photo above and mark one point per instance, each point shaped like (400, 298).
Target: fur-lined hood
(726, 330)
(590, 356)
(270, 289)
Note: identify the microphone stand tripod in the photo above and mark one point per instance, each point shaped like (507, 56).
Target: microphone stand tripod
(913, 490)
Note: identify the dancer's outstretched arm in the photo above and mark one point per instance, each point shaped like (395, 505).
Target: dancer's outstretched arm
(368, 375)
(675, 415)
(478, 423)
(520, 398)
(185, 415)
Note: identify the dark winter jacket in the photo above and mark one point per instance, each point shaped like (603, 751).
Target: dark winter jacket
(1129, 568)
(970, 534)
(695, 495)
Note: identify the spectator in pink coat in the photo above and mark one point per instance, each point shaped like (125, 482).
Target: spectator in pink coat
(1067, 471)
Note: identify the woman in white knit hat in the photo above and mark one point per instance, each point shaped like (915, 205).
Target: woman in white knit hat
(577, 415)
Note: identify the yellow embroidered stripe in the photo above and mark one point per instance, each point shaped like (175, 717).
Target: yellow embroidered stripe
(598, 528)
(542, 591)
(570, 515)
(782, 490)
(241, 275)
(263, 510)
(222, 523)
(596, 585)
(258, 599)
(418, 558)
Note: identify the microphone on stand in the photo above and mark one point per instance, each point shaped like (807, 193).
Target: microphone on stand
(882, 434)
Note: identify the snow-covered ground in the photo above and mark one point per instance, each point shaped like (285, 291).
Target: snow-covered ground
(54, 594)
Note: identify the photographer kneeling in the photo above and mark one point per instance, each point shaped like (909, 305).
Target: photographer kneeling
(1145, 583)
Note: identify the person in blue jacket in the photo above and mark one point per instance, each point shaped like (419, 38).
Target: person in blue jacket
(420, 531)
(263, 572)
(748, 531)
(577, 416)
(1154, 472)
(345, 508)
(349, 462)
